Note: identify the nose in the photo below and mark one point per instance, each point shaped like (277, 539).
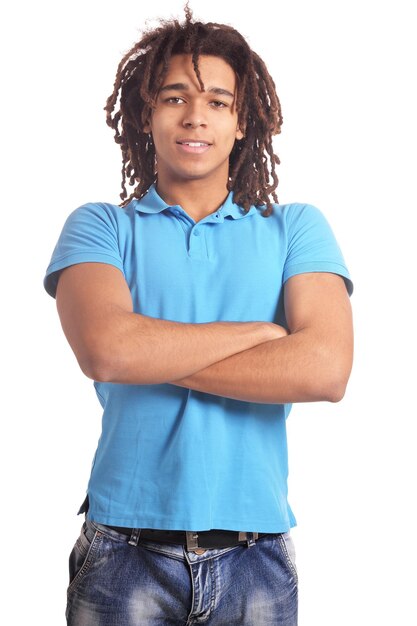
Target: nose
(192, 124)
(194, 117)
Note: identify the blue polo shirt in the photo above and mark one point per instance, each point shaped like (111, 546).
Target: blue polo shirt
(169, 457)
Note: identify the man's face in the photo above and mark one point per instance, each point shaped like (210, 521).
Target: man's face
(194, 131)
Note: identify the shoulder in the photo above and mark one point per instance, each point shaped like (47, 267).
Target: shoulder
(98, 220)
(295, 210)
(294, 216)
(101, 212)
(302, 217)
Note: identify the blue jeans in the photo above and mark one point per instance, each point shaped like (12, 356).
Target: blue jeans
(113, 583)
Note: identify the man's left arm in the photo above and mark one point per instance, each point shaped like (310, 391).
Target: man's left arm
(311, 363)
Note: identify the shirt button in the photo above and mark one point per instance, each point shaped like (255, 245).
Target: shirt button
(196, 233)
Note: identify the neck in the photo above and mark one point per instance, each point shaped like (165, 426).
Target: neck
(198, 198)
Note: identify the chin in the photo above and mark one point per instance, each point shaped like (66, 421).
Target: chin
(192, 175)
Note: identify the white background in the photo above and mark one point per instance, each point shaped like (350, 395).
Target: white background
(344, 72)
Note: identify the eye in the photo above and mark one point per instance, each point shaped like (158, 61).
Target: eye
(174, 100)
(218, 104)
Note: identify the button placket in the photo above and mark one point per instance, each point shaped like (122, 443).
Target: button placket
(184, 220)
(196, 241)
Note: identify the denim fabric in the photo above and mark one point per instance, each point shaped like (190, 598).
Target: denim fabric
(113, 583)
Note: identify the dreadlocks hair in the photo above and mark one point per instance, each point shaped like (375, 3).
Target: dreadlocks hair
(140, 74)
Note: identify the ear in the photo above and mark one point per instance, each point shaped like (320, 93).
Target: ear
(147, 127)
(239, 134)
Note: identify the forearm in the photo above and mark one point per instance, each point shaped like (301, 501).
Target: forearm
(296, 368)
(146, 350)
(114, 344)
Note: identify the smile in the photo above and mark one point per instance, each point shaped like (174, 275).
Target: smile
(194, 144)
(195, 147)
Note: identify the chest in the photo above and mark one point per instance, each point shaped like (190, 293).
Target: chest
(198, 272)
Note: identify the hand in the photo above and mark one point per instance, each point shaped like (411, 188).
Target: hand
(277, 332)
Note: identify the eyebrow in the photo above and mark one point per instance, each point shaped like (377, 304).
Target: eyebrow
(184, 87)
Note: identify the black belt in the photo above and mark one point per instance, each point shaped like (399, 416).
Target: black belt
(207, 539)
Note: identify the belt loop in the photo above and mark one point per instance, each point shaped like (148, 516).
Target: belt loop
(192, 540)
(134, 537)
(252, 537)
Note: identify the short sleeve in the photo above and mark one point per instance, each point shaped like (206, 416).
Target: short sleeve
(89, 235)
(312, 246)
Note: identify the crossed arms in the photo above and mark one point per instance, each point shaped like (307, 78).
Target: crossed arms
(251, 361)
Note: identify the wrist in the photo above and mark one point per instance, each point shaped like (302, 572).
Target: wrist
(274, 331)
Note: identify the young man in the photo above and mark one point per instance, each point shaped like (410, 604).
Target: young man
(201, 310)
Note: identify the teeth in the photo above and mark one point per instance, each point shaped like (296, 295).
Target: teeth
(194, 144)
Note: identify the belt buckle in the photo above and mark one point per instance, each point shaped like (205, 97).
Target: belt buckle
(193, 546)
(250, 538)
(191, 538)
(192, 543)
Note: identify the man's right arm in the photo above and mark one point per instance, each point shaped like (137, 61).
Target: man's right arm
(114, 344)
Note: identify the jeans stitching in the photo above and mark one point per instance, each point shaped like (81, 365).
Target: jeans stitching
(109, 533)
(99, 593)
(288, 560)
(87, 562)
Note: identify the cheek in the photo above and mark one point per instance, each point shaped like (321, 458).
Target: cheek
(229, 127)
(162, 128)
(230, 135)
(159, 136)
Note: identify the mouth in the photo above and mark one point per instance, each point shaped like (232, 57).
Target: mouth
(193, 146)
(193, 142)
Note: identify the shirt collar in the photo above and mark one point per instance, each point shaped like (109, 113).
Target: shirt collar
(153, 203)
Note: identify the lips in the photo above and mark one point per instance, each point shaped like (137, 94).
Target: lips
(193, 146)
(194, 143)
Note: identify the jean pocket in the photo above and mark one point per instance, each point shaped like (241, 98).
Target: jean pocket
(288, 549)
(82, 553)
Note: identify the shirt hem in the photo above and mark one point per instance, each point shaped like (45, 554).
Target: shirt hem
(311, 267)
(260, 526)
(74, 259)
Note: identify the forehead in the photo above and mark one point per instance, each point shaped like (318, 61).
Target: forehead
(214, 71)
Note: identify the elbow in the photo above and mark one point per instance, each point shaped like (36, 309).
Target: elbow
(329, 390)
(111, 365)
(333, 388)
(98, 361)
(331, 385)
(95, 368)
(336, 392)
